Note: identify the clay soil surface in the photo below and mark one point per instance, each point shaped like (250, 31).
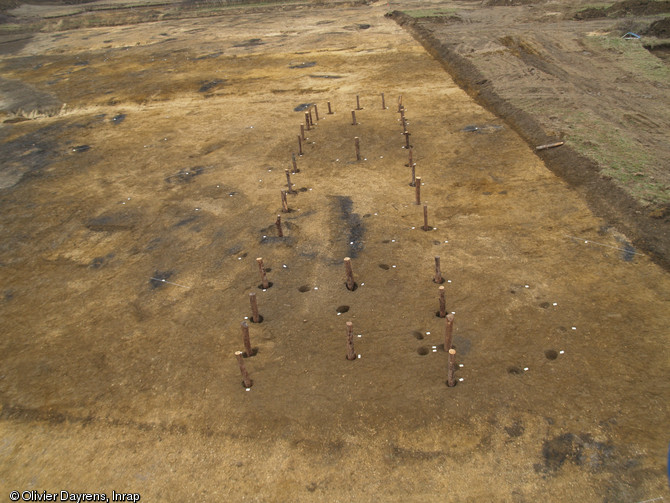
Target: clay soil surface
(146, 182)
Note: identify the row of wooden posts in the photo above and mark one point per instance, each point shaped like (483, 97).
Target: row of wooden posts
(350, 282)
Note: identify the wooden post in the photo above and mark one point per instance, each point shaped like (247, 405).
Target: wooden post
(448, 331)
(413, 182)
(443, 303)
(284, 202)
(407, 134)
(255, 317)
(451, 368)
(307, 121)
(351, 284)
(246, 340)
(426, 227)
(299, 145)
(411, 160)
(330, 111)
(288, 182)
(261, 270)
(351, 353)
(295, 164)
(353, 118)
(280, 233)
(383, 102)
(302, 132)
(243, 370)
(358, 103)
(400, 103)
(438, 272)
(358, 148)
(311, 119)
(417, 189)
(316, 112)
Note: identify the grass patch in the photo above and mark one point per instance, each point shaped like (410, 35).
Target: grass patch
(437, 12)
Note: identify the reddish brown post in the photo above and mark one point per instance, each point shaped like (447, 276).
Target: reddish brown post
(246, 340)
(288, 182)
(295, 164)
(330, 111)
(358, 103)
(443, 303)
(426, 227)
(316, 113)
(400, 107)
(411, 160)
(302, 132)
(448, 331)
(451, 368)
(311, 119)
(438, 273)
(353, 118)
(413, 182)
(243, 370)
(299, 145)
(357, 144)
(417, 189)
(351, 353)
(255, 317)
(307, 121)
(280, 232)
(261, 269)
(383, 102)
(407, 134)
(351, 284)
(284, 202)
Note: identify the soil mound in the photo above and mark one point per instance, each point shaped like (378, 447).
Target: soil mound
(626, 8)
(660, 28)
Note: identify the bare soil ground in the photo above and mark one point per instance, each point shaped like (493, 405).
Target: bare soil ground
(146, 182)
(562, 72)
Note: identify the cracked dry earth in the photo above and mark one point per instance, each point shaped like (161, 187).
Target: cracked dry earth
(167, 164)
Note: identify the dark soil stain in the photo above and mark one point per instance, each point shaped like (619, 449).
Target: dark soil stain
(342, 309)
(159, 278)
(185, 175)
(118, 119)
(208, 56)
(516, 430)
(112, 222)
(302, 107)
(81, 148)
(628, 253)
(354, 227)
(207, 86)
(326, 76)
(417, 335)
(581, 450)
(423, 351)
(307, 64)
(252, 42)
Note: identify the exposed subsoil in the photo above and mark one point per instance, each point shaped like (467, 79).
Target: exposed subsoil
(137, 195)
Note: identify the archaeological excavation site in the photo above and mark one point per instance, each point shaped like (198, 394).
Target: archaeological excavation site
(335, 251)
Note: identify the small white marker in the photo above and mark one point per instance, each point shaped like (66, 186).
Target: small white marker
(428, 333)
(434, 350)
(448, 281)
(393, 241)
(359, 356)
(393, 266)
(362, 284)
(574, 328)
(525, 369)
(248, 389)
(460, 365)
(460, 379)
(246, 317)
(359, 335)
(316, 288)
(561, 352)
(555, 303)
(526, 286)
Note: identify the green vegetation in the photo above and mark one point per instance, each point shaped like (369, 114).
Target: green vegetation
(435, 12)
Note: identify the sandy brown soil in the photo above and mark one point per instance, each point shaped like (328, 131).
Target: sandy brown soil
(166, 163)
